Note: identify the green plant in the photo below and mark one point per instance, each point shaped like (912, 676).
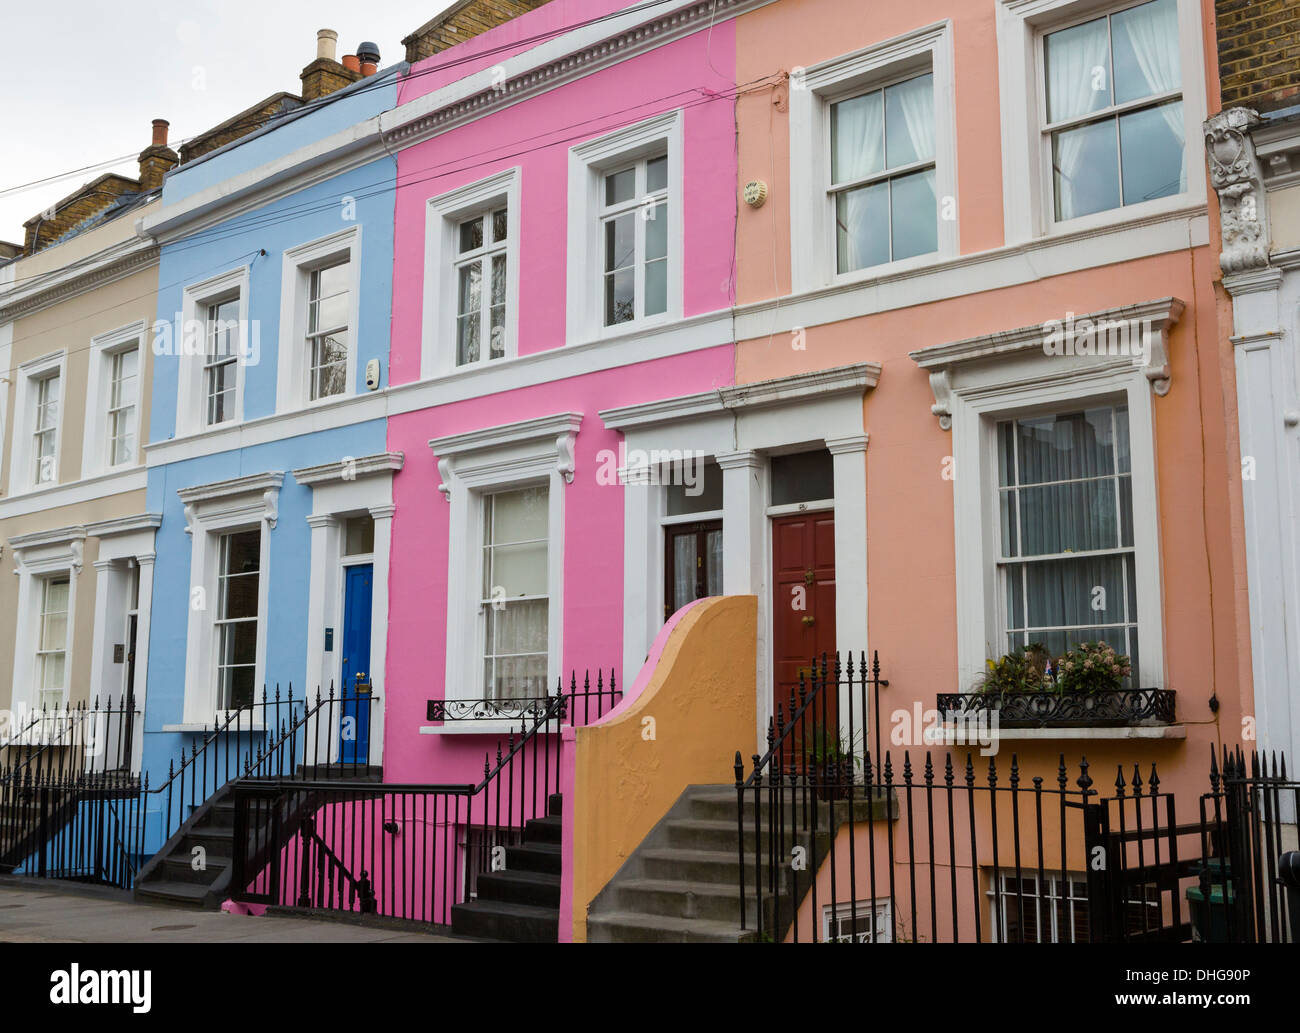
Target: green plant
(1023, 670)
(1092, 667)
(825, 745)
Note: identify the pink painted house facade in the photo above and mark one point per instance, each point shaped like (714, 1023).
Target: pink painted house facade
(561, 250)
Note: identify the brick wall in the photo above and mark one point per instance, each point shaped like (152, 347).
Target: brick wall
(75, 209)
(1259, 53)
(241, 125)
(463, 21)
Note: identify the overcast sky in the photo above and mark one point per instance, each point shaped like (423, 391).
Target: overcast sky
(82, 81)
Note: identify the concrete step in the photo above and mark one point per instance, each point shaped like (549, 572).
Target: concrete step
(676, 898)
(715, 866)
(696, 834)
(632, 927)
(174, 894)
(181, 869)
(539, 888)
(504, 920)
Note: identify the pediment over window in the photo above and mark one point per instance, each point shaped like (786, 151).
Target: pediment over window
(1073, 347)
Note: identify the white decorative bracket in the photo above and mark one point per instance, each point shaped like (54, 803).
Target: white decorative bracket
(271, 504)
(565, 461)
(1238, 178)
(77, 548)
(941, 385)
(444, 471)
(189, 520)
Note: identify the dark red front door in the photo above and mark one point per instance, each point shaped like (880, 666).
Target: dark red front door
(803, 601)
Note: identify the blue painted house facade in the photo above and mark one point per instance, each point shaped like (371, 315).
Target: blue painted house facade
(266, 451)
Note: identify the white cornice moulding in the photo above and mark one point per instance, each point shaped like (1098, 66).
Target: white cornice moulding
(54, 536)
(350, 469)
(944, 361)
(855, 379)
(124, 525)
(578, 53)
(77, 278)
(74, 492)
(540, 437)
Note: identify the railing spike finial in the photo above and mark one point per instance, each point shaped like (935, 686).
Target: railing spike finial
(866, 767)
(1137, 781)
(907, 768)
(1153, 781)
(993, 771)
(740, 771)
(771, 731)
(947, 770)
(1084, 781)
(1119, 780)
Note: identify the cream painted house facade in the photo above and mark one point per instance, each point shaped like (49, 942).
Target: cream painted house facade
(75, 351)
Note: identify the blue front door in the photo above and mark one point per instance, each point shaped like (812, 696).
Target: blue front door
(354, 728)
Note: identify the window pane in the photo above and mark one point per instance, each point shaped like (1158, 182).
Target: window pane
(915, 222)
(1085, 166)
(656, 232)
(1072, 517)
(909, 121)
(1151, 142)
(500, 226)
(862, 227)
(1145, 40)
(620, 295)
(359, 535)
(1078, 74)
(497, 316)
(519, 516)
(518, 677)
(620, 186)
(1062, 593)
(243, 552)
(331, 280)
(329, 313)
(620, 242)
(1065, 446)
(656, 174)
(805, 477)
(713, 562)
(471, 234)
(702, 495)
(656, 288)
(517, 627)
(857, 138)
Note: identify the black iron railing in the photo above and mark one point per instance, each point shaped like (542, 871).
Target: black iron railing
(403, 851)
(98, 736)
(100, 826)
(917, 846)
(1117, 708)
(585, 704)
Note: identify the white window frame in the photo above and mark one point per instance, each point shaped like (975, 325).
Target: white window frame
(96, 451)
(37, 557)
(883, 926)
(537, 451)
(1001, 910)
(443, 216)
(984, 380)
(191, 397)
(293, 365)
(43, 590)
(589, 162)
(1027, 190)
(22, 464)
(813, 261)
(212, 511)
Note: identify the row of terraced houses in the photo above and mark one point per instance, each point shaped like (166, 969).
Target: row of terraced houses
(648, 470)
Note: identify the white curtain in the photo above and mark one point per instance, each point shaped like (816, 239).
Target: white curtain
(1152, 30)
(859, 150)
(1072, 59)
(915, 101)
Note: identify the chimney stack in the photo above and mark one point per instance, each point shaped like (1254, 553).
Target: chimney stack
(368, 55)
(326, 44)
(325, 75)
(157, 158)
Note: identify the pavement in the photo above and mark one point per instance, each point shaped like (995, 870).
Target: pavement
(62, 914)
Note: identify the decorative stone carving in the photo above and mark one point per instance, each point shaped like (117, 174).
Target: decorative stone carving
(444, 471)
(941, 385)
(1238, 178)
(565, 461)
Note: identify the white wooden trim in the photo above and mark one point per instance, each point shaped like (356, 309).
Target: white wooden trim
(438, 315)
(293, 366)
(191, 407)
(95, 440)
(39, 556)
(20, 456)
(812, 237)
(1026, 184)
(587, 162)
